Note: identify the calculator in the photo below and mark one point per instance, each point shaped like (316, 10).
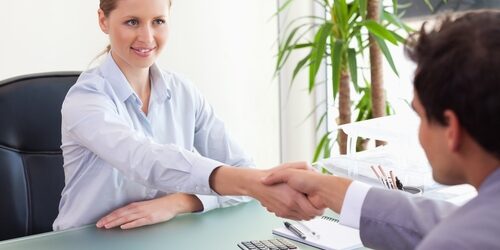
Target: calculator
(272, 244)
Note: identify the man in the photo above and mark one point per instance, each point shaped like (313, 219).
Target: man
(457, 97)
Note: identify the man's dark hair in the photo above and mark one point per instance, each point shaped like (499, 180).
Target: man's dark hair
(458, 68)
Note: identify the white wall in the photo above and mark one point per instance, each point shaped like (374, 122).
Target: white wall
(224, 46)
(297, 126)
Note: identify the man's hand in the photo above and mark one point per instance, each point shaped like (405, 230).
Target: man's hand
(285, 202)
(321, 190)
(149, 212)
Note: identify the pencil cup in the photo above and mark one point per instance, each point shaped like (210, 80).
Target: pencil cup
(413, 190)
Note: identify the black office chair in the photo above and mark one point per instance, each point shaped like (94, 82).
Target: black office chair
(31, 172)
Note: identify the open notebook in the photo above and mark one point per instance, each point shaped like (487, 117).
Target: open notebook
(330, 234)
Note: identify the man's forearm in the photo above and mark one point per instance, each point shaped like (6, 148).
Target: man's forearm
(332, 190)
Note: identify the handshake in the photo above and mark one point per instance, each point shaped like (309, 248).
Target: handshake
(291, 190)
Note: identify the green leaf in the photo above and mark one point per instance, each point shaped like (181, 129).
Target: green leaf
(353, 9)
(321, 120)
(285, 53)
(392, 19)
(318, 52)
(320, 104)
(378, 30)
(282, 7)
(362, 8)
(387, 53)
(300, 65)
(306, 21)
(394, 6)
(395, 20)
(320, 146)
(429, 5)
(388, 108)
(336, 58)
(364, 105)
(282, 49)
(327, 149)
(353, 66)
(360, 41)
(398, 37)
(340, 10)
(300, 46)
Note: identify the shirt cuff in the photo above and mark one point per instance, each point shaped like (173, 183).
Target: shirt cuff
(350, 213)
(209, 202)
(201, 170)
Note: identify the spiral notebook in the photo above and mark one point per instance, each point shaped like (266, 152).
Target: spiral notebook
(329, 234)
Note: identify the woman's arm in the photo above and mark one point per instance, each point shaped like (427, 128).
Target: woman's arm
(90, 118)
(149, 212)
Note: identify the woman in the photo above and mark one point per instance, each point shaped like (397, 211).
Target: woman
(132, 132)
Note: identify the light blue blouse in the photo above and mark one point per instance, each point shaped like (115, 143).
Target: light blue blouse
(114, 154)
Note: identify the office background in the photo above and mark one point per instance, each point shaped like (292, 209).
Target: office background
(225, 47)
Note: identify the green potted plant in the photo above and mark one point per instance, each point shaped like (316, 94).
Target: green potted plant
(341, 38)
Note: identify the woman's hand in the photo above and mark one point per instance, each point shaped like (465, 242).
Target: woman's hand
(149, 212)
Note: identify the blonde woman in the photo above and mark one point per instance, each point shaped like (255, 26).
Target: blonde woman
(138, 141)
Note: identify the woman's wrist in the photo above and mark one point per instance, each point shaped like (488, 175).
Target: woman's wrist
(227, 180)
(181, 203)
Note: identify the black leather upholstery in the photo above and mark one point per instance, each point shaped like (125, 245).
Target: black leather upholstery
(31, 173)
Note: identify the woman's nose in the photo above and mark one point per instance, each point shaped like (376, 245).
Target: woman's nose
(146, 34)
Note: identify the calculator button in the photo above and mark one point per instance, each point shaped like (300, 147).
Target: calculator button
(287, 243)
(274, 244)
(243, 247)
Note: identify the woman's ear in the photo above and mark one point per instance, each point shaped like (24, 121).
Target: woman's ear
(103, 21)
(453, 130)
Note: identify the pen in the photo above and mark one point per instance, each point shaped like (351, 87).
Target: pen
(309, 229)
(393, 180)
(399, 184)
(385, 176)
(378, 176)
(294, 230)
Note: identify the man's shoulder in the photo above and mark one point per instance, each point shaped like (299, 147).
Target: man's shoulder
(473, 226)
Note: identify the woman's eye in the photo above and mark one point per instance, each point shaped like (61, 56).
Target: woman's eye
(132, 22)
(159, 21)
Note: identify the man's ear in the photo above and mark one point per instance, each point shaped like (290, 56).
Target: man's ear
(103, 21)
(453, 130)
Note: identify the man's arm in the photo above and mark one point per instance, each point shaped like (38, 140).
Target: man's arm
(389, 219)
(394, 220)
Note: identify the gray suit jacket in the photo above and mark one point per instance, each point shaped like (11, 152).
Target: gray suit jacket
(394, 220)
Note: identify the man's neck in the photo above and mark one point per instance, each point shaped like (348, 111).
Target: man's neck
(478, 164)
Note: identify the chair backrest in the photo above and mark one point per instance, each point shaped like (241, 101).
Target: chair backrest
(31, 172)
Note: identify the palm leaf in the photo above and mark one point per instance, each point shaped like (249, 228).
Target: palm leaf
(386, 53)
(318, 52)
(320, 146)
(378, 30)
(336, 58)
(353, 66)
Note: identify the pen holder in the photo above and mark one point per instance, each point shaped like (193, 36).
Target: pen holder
(413, 190)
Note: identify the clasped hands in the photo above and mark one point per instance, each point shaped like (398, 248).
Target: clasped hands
(292, 190)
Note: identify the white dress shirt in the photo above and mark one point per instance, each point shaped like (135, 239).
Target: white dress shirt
(114, 154)
(350, 213)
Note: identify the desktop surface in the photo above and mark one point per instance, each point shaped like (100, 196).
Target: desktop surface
(219, 229)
